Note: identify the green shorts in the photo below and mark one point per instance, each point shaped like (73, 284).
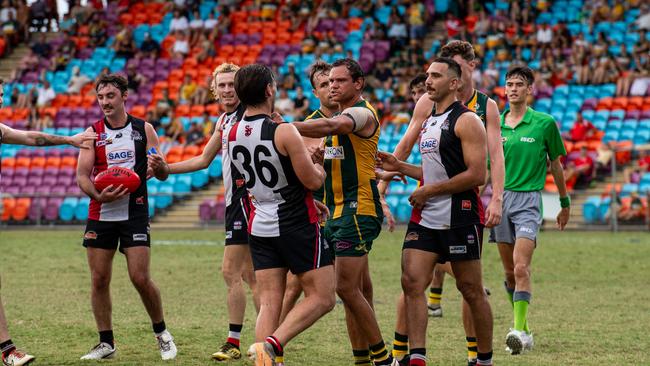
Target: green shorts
(352, 235)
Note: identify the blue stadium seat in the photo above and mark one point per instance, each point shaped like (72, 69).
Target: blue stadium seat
(183, 184)
(614, 125)
(152, 206)
(543, 105)
(590, 209)
(81, 211)
(166, 199)
(629, 188)
(200, 178)
(604, 208)
(610, 135)
(627, 135)
(68, 208)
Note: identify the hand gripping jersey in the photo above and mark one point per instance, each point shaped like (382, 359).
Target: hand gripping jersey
(233, 182)
(280, 202)
(319, 194)
(442, 158)
(124, 147)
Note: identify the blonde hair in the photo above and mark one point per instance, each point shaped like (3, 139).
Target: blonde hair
(225, 67)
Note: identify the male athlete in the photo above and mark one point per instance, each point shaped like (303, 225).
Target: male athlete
(118, 217)
(530, 138)
(283, 225)
(319, 78)
(353, 201)
(447, 219)
(10, 355)
(237, 264)
(463, 53)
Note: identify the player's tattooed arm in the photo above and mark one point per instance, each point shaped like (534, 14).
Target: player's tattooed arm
(34, 138)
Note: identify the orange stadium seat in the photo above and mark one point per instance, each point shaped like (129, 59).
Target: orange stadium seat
(183, 110)
(126, 18)
(213, 109)
(609, 186)
(646, 104)
(48, 111)
(197, 110)
(254, 27)
(241, 49)
(605, 103)
(226, 50)
(53, 161)
(21, 113)
(635, 103)
(69, 161)
(139, 111)
(60, 100)
(175, 150)
(21, 209)
(38, 162)
(3, 46)
(354, 24)
(6, 113)
(8, 163)
(250, 59)
(176, 74)
(191, 150)
(8, 204)
(82, 30)
(88, 100)
(75, 100)
(141, 18)
(23, 162)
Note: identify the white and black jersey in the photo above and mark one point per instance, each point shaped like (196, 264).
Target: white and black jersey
(233, 182)
(280, 203)
(442, 159)
(123, 147)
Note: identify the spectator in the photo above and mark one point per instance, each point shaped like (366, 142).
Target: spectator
(208, 125)
(165, 105)
(134, 79)
(77, 81)
(29, 62)
(417, 87)
(42, 47)
(290, 80)
(23, 17)
(97, 30)
(179, 23)
(152, 118)
(580, 170)
(186, 93)
(452, 24)
(68, 25)
(544, 35)
(79, 13)
(210, 23)
(40, 13)
(283, 104)
(194, 134)
(417, 19)
(149, 47)
(181, 46)
(195, 27)
(46, 94)
(39, 121)
(632, 174)
(300, 104)
(397, 31)
(582, 130)
(603, 160)
(124, 44)
(65, 53)
(634, 211)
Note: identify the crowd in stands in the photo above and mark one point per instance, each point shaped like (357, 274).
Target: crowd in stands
(570, 43)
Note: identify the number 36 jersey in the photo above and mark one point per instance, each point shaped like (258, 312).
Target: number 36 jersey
(281, 203)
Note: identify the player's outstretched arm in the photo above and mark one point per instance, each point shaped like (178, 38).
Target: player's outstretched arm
(497, 164)
(289, 142)
(201, 161)
(391, 164)
(352, 120)
(35, 138)
(155, 160)
(85, 165)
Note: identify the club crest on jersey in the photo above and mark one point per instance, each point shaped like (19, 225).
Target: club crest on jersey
(428, 145)
(445, 125)
(120, 156)
(466, 205)
(248, 130)
(103, 140)
(334, 152)
(136, 136)
(139, 200)
(470, 239)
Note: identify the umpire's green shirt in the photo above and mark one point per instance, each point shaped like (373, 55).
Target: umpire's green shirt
(526, 148)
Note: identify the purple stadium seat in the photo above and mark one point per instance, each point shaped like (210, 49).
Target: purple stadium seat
(5, 183)
(38, 153)
(69, 171)
(633, 115)
(69, 151)
(20, 125)
(12, 190)
(58, 191)
(148, 63)
(7, 172)
(51, 211)
(51, 171)
(176, 63)
(240, 38)
(264, 59)
(50, 180)
(220, 210)
(254, 39)
(85, 53)
(28, 191)
(278, 59)
(133, 62)
(36, 172)
(35, 181)
(283, 49)
(43, 190)
(21, 172)
(205, 210)
(227, 39)
(296, 48)
(63, 123)
(162, 63)
(37, 208)
(645, 114)
(79, 113)
(74, 191)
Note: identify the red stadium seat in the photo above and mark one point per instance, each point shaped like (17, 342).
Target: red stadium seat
(38, 162)
(53, 161)
(69, 161)
(183, 110)
(139, 111)
(8, 163)
(6, 113)
(21, 113)
(23, 162)
(9, 204)
(197, 110)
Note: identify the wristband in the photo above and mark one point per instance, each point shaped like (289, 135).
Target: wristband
(565, 202)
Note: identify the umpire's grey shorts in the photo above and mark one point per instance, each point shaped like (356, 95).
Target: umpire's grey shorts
(521, 217)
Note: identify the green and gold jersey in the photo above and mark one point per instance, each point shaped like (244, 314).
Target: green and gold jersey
(478, 104)
(351, 186)
(319, 194)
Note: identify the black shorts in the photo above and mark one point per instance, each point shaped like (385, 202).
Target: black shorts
(301, 250)
(108, 234)
(237, 222)
(453, 245)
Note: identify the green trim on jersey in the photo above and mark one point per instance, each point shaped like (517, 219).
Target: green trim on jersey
(526, 149)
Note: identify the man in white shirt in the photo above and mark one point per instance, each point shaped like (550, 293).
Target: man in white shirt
(179, 23)
(45, 94)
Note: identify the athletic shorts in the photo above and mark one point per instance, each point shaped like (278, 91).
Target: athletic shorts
(108, 234)
(521, 217)
(237, 222)
(301, 250)
(352, 235)
(452, 245)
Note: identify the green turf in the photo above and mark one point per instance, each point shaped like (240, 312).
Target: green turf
(590, 302)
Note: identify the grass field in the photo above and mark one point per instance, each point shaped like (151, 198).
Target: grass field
(590, 302)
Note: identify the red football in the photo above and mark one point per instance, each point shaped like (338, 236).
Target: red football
(116, 176)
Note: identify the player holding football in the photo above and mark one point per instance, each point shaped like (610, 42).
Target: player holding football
(237, 266)
(284, 231)
(11, 356)
(463, 53)
(119, 217)
(530, 139)
(447, 219)
(353, 200)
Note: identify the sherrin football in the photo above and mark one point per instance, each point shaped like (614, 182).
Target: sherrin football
(117, 175)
